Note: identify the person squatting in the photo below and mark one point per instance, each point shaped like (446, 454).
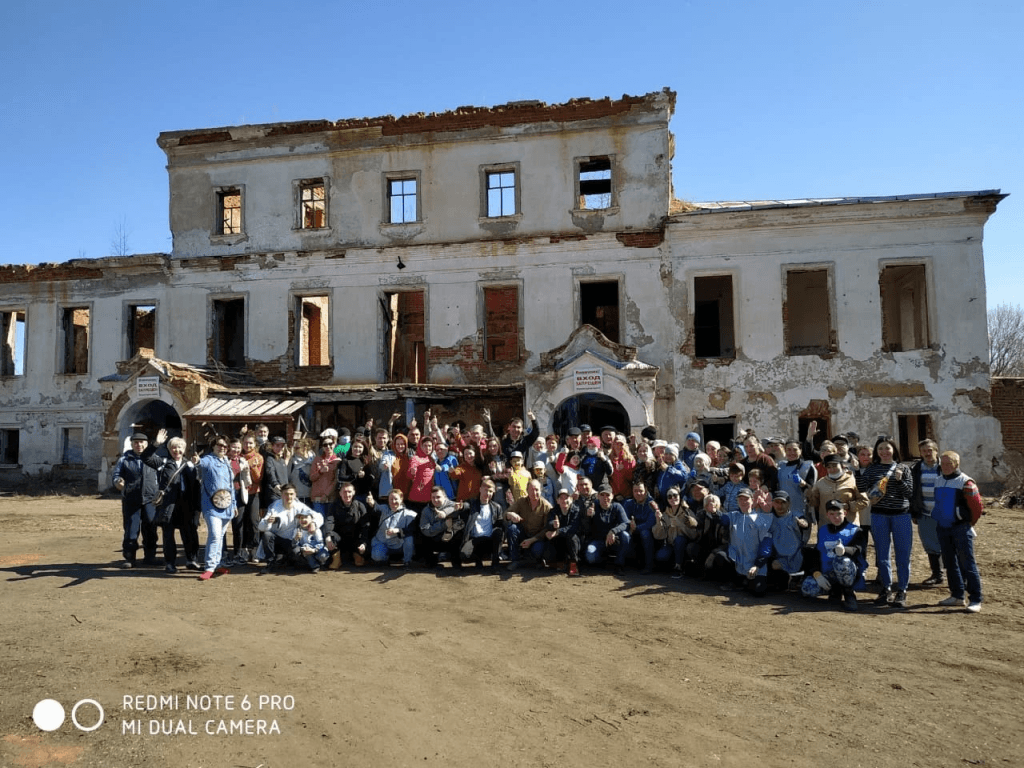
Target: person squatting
(775, 516)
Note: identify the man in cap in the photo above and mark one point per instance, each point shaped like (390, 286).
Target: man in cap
(609, 529)
(138, 485)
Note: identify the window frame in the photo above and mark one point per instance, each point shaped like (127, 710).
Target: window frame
(613, 196)
(401, 176)
(211, 347)
(486, 171)
(218, 236)
(620, 281)
(299, 187)
(62, 347)
(14, 312)
(4, 445)
(297, 298)
(924, 313)
(832, 345)
(692, 279)
(127, 324)
(62, 444)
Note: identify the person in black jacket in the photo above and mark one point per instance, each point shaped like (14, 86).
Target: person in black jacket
(137, 483)
(175, 502)
(275, 473)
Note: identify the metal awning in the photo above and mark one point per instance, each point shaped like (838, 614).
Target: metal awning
(241, 409)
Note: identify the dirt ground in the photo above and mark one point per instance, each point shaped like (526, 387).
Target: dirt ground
(376, 668)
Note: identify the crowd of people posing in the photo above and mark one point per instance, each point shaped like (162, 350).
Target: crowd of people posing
(779, 515)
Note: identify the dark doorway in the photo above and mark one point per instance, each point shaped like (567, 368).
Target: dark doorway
(594, 409)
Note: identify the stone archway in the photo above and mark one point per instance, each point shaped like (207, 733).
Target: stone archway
(149, 416)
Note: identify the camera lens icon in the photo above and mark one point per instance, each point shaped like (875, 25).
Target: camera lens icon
(49, 715)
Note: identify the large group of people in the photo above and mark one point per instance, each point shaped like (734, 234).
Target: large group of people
(782, 514)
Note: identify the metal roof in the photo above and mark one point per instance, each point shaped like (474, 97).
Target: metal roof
(753, 205)
(224, 409)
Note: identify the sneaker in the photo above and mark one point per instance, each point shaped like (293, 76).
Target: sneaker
(849, 601)
(514, 565)
(677, 572)
(221, 570)
(206, 575)
(169, 568)
(934, 580)
(952, 602)
(884, 597)
(574, 570)
(193, 565)
(900, 600)
(128, 565)
(974, 607)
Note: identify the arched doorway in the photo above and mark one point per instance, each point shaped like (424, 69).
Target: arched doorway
(149, 416)
(591, 408)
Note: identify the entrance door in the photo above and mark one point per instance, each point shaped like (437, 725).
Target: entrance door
(594, 409)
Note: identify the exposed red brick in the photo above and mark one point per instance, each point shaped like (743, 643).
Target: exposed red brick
(648, 239)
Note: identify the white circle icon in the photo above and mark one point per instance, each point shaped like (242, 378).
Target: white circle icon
(48, 715)
(74, 715)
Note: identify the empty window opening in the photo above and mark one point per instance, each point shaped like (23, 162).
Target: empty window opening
(229, 205)
(501, 324)
(402, 200)
(12, 326)
(599, 307)
(807, 315)
(405, 352)
(314, 330)
(824, 430)
(313, 202)
(72, 445)
(228, 332)
(721, 431)
(141, 330)
(501, 193)
(904, 308)
(595, 180)
(913, 429)
(75, 327)
(713, 333)
(9, 439)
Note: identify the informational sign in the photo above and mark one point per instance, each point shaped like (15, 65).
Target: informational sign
(147, 386)
(588, 380)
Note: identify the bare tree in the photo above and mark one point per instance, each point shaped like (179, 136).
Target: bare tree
(119, 241)
(1006, 340)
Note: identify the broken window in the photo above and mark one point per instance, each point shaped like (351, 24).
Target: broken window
(501, 193)
(721, 431)
(501, 324)
(313, 204)
(599, 307)
(402, 200)
(12, 328)
(140, 329)
(824, 429)
(904, 307)
(594, 181)
(9, 439)
(713, 333)
(227, 337)
(72, 445)
(405, 352)
(912, 430)
(75, 330)
(807, 314)
(229, 211)
(314, 314)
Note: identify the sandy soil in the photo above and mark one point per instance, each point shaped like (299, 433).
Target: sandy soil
(525, 669)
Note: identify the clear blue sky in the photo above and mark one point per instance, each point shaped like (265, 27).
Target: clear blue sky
(776, 100)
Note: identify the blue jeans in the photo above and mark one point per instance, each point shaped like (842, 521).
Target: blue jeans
(596, 549)
(379, 552)
(645, 538)
(515, 536)
(215, 528)
(897, 530)
(136, 520)
(927, 531)
(958, 557)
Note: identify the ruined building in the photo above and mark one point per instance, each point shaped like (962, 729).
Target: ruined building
(522, 257)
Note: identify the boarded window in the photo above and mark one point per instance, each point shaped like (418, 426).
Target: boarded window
(904, 308)
(229, 211)
(75, 331)
(313, 204)
(9, 439)
(228, 333)
(12, 329)
(595, 183)
(72, 445)
(713, 333)
(599, 307)
(405, 352)
(806, 314)
(913, 429)
(141, 329)
(314, 330)
(501, 324)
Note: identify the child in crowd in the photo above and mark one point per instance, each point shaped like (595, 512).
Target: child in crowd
(309, 541)
(842, 563)
(787, 531)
